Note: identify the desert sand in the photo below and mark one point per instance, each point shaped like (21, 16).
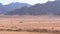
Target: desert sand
(28, 23)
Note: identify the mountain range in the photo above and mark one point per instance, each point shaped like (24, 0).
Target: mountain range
(12, 6)
(38, 9)
(16, 8)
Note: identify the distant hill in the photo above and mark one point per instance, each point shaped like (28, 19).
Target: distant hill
(38, 9)
(2, 8)
(12, 6)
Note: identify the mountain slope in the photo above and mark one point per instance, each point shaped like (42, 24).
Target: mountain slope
(16, 5)
(12, 6)
(38, 9)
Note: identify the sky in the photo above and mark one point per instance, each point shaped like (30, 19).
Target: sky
(32, 2)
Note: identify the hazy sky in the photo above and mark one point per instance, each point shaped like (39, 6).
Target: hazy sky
(24, 1)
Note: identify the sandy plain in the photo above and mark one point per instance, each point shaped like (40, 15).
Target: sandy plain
(29, 23)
